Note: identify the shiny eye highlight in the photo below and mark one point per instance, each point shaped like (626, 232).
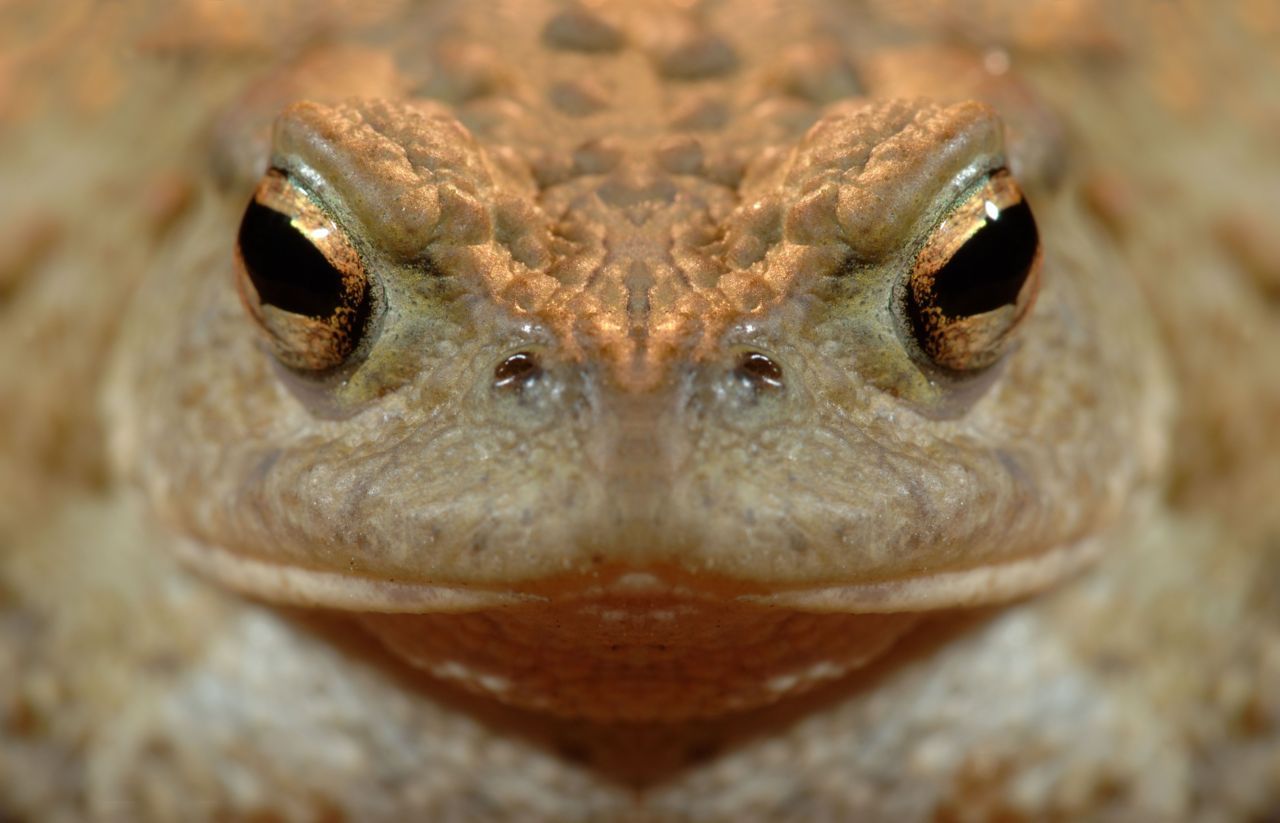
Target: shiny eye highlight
(976, 277)
(300, 277)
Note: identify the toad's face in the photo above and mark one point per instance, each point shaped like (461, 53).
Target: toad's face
(710, 414)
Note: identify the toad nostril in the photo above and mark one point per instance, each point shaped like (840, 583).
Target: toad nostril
(517, 371)
(760, 370)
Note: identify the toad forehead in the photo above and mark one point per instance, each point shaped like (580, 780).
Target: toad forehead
(647, 246)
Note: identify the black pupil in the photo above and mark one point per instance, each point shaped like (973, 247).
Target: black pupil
(989, 269)
(287, 270)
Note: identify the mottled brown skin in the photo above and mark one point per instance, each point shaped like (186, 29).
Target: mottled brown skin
(640, 472)
(722, 529)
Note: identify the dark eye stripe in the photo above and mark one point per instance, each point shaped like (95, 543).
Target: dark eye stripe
(287, 270)
(989, 269)
(976, 277)
(302, 280)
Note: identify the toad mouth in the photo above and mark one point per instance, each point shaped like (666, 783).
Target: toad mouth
(637, 645)
(924, 591)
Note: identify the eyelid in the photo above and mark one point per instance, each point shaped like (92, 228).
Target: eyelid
(999, 189)
(278, 193)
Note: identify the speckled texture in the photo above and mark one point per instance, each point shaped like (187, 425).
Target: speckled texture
(863, 479)
(639, 196)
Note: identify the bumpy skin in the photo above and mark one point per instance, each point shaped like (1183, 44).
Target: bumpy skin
(646, 560)
(629, 498)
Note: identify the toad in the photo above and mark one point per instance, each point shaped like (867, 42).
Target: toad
(535, 406)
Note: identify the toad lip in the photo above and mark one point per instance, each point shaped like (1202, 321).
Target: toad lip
(926, 591)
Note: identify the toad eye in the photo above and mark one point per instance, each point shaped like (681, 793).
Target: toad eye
(300, 277)
(976, 277)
